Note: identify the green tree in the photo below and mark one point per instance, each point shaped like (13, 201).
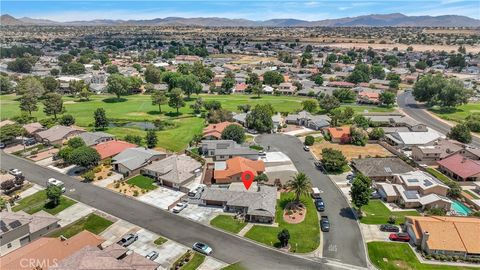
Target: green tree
(6, 86)
(361, 191)
(421, 65)
(283, 236)
(53, 194)
(253, 79)
(135, 139)
(54, 72)
(273, 78)
(378, 72)
(310, 105)
(333, 160)
(30, 85)
(176, 100)
(100, 117)
(118, 85)
(328, 103)
(260, 118)
(22, 65)
(261, 178)
(300, 185)
(112, 69)
(28, 103)
(190, 85)
(256, 89)
(461, 133)
(309, 140)
(159, 98)
(76, 142)
(234, 132)
(151, 138)
(67, 120)
(376, 133)
(53, 105)
(153, 74)
(359, 136)
(227, 85)
(76, 86)
(50, 84)
(387, 98)
(361, 73)
(453, 94)
(135, 83)
(361, 121)
(344, 95)
(317, 78)
(197, 105)
(73, 68)
(427, 88)
(84, 156)
(85, 94)
(11, 131)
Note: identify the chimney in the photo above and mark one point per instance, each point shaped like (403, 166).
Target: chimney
(464, 159)
(426, 236)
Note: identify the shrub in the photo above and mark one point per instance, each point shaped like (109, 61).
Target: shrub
(392, 219)
(97, 169)
(100, 178)
(135, 193)
(109, 173)
(309, 140)
(117, 185)
(88, 176)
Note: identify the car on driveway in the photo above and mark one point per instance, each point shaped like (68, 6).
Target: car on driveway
(306, 148)
(325, 224)
(179, 207)
(15, 172)
(389, 228)
(319, 204)
(128, 239)
(399, 237)
(152, 255)
(202, 248)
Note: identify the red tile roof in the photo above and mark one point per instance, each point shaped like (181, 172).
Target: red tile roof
(111, 148)
(240, 87)
(216, 130)
(238, 165)
(461, 166)
(339, 132)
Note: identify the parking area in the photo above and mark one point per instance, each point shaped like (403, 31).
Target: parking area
(74, 213)
(161, 197)
(200, 213)
(116, 231)
(373, 233)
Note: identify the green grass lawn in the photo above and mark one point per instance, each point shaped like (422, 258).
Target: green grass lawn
(142, 182)
(159, 241)
(459, 113)
(195, 262)
(39, 201)
(92, 223)
(227, 223)
(304, 237)
(377, 213)
(399, 256)
(235, 266)
(473, 194)
(440, 176)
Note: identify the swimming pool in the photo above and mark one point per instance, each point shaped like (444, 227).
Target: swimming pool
(460, 208)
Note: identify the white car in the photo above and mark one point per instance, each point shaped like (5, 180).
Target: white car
(202, 248)
(306, 148)
(56, 182)
(15, 172)
(179, 207)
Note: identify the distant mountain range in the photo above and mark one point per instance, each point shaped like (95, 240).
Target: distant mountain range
(394, 19)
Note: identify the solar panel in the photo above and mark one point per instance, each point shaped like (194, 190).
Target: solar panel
(427, 183)
(3, 227)
(411, 194)
(412, 180)
(15, 224)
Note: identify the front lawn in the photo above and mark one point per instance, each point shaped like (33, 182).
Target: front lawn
(92, 223)
(235, 266)
(39, 201)
(457, 114)
(195, 262)
(228, 223)
(159, 241)
(399, 256)
(304, 236)
(377, 213)
(142, 182)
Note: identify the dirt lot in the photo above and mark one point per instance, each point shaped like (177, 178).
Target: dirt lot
(123, 187)
(351, 151)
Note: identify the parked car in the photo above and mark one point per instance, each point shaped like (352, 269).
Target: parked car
(306, 148)
(325, 224)
(15, 172)
(400, 237)
(389, 228)
(375, 195)
(316, 193)
(56, 182)
(152, 255)
(2, 146)
(350, 176)
(202, 248)
(320, 205)
(194, 191)
(128, 239)
(179, 207)
(29, 141)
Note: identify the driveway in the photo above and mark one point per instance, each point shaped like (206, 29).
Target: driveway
(373, 233)
(200, 213)
(417, 111)
(344, 241)
(74, 213)
(227, 247)
(117, 230)
(161, 197)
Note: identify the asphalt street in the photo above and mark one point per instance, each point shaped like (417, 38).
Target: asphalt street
(417, 111)
(227, 247)
(344, 241)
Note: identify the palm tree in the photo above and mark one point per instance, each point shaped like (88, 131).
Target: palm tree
(300, 185)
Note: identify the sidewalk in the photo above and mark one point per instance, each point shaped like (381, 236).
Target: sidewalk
(245, 229)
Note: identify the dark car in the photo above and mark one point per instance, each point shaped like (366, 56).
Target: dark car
(399, 237)
(324, 224)
(29, 141)
(389, 228)
(320, 205)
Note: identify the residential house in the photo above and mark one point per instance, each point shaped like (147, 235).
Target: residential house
(341, 84)
(33, 128)
(306, 119)
(20, 228)
(441, 149)
(240, 88)
(46, 252)
(395, 120)
(111, 148)
(286, 88)
(6, 122)
(214, 131)
(131, 160)
(460, 168)
(58, 134)
(366, 97)
(257, 204)
(415, 189)
(445, 235)
(339, 134)
(408, 139)
(226, 149)
(316, 91)
(229, 171)
(381, 169)
(174, 171)
(241, 118)
(94, 138)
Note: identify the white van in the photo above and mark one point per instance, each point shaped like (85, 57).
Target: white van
(315, 193)
(56, 182)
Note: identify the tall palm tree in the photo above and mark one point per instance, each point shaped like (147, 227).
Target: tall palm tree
(300, 185)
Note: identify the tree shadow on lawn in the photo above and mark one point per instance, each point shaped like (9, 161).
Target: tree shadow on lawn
(155, 113)
(255, 97)
(446, 110)
(114, 100)
(173, 114)
(347, 212)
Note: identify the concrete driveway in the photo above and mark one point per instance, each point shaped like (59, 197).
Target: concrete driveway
(161, 197)
(117, 230)
(74, 213)
(200, 213)
(373, 233)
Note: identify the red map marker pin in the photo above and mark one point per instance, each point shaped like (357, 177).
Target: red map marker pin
(247, 179)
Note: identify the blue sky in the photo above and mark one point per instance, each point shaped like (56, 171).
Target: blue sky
(253, 10)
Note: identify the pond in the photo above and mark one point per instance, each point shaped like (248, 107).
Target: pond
(141, 125)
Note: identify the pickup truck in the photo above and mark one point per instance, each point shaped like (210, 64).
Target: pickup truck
(325, 224)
